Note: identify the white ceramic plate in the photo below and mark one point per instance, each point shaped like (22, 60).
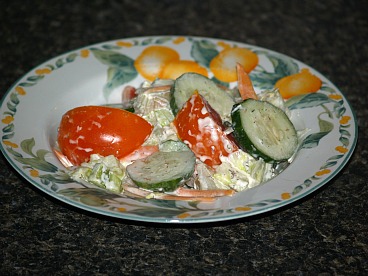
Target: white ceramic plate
(31, 110)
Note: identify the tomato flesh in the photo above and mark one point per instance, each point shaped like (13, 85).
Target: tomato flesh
(200, 127)
(100, 130)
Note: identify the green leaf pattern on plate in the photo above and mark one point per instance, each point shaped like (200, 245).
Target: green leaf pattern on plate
(283, 66)
(203, 52)
(120, 69)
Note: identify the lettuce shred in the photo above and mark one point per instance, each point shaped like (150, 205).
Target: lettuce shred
(105, 172)
(239, 171)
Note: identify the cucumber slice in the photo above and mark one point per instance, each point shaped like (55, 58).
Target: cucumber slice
(162, 171)
(264, 130)
(188, 83)
(172, 145)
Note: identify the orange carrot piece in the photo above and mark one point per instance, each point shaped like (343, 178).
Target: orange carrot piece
(62, 158)
(130, 190)
(245, 85)
(203, 193)
(140, 153)
(136, 192)
(185, 198)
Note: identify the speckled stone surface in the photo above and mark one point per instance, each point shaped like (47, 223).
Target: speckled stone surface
(325, 233)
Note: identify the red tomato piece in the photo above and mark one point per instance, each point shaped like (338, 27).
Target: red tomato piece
(200, 127)
(102, 130)
(128, 94)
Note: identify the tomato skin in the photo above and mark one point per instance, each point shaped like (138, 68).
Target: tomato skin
(102, 130)
(201, 128)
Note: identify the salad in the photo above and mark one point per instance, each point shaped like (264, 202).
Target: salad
(183, 139)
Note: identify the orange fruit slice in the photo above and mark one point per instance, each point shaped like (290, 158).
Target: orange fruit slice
(153, 59)
(224, 64)
(176, 68)
(300, 83)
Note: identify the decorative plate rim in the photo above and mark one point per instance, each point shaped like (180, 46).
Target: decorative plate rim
(12, 95)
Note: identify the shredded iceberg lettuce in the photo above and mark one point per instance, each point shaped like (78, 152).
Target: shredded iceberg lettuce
(154, 106)
(274, 97)
(105, 172)
(240, 171)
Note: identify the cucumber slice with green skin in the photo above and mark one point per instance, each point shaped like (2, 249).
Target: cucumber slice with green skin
(264, 130)
(171, 145)
(188, 83)
(162, 171)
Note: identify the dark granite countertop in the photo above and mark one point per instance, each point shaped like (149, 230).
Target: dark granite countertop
(325, 233)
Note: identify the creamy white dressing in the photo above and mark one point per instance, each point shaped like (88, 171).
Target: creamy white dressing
(84, 149)
(75, 142)
(97, 124)
(238, 170)
(239, 175)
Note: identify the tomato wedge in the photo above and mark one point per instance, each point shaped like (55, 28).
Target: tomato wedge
(200, 127)
(102, 130)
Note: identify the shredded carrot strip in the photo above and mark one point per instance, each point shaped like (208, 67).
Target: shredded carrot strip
(245, 85)
(203, 193)
(140, 153)
(185, 198)
(63, 159)
(133, 191)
